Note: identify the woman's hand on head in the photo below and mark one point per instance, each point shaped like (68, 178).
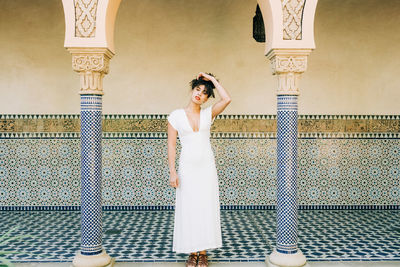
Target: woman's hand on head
(205, 76)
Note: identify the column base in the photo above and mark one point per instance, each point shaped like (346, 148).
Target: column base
(99, 260)
(277, 259)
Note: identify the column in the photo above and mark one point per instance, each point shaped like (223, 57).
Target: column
(91, 64)
(287, 64)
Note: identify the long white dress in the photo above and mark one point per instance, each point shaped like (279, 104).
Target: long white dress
(197, 209)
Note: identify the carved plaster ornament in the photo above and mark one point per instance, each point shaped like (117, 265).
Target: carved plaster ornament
(91, 66)
(292, 11)
(288, 67)
(85, 18)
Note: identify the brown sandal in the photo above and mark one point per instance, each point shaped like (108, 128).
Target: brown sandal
(192, 260)
(203, 260)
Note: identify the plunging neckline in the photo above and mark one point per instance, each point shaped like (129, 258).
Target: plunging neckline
(187, 119)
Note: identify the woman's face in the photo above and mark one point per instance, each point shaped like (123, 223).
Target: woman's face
(199, 95)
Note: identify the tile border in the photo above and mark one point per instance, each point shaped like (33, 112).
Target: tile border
(222, 207)
(221, 116)
(214, 135)
(225, 126)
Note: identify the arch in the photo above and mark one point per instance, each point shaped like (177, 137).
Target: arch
(96, 15)
(276, 14)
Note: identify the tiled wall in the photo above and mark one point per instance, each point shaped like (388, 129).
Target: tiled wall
(343, 160)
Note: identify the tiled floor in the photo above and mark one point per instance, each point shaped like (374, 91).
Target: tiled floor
(228, 264)
(138, 236)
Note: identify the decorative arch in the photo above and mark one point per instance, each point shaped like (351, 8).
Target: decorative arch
(289, 24)
(90, 23)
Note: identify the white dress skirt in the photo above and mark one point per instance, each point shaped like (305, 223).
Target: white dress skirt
(197, 209)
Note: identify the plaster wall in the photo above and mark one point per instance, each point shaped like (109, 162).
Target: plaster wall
(161, 45)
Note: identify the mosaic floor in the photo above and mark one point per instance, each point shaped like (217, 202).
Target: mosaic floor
(367, 235)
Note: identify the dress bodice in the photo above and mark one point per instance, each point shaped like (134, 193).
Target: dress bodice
(179, 120)
(195, 143)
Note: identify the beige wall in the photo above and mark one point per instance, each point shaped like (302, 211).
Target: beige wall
(161, 45)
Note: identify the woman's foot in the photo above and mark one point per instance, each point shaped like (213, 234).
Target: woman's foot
(192, 260)
(203, 260)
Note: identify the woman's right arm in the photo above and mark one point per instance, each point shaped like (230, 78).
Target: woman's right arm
(173, 176)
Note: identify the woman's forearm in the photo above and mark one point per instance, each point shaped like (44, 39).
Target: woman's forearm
(171, 157)
(221, 90)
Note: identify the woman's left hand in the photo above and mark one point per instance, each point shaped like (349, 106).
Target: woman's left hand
(205, 76)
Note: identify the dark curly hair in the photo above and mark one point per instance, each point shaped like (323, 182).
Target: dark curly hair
(209, 86)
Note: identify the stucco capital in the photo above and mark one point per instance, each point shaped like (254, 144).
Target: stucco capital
(288, 65)
(91, 64)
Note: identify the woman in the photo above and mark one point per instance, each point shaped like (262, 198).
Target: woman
(197, 211)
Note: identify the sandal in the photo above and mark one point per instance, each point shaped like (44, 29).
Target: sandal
(192, 260)
(203, 260)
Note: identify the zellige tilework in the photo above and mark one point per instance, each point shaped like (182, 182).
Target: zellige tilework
(135, 171)
(334, 235)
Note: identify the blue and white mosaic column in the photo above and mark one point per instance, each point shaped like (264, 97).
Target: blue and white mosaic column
(91, 64)
(286, 233)
(288, 66)
(91, 133)
(92, 47)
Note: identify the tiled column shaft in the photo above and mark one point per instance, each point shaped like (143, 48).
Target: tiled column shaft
(91, 64)
(288, 66)
(286, 233)
(91, 226)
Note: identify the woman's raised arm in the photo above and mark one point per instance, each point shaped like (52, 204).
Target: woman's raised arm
(225, 97)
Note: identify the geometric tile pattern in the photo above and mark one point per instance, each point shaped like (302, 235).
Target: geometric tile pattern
(334, 235)
(91, 152)
(286, 241)
(335, 171)
(349, 171)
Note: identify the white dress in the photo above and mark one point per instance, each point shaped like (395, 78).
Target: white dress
(197, 209)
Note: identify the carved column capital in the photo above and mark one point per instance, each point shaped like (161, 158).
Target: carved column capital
(288, 65)
(91, 64)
